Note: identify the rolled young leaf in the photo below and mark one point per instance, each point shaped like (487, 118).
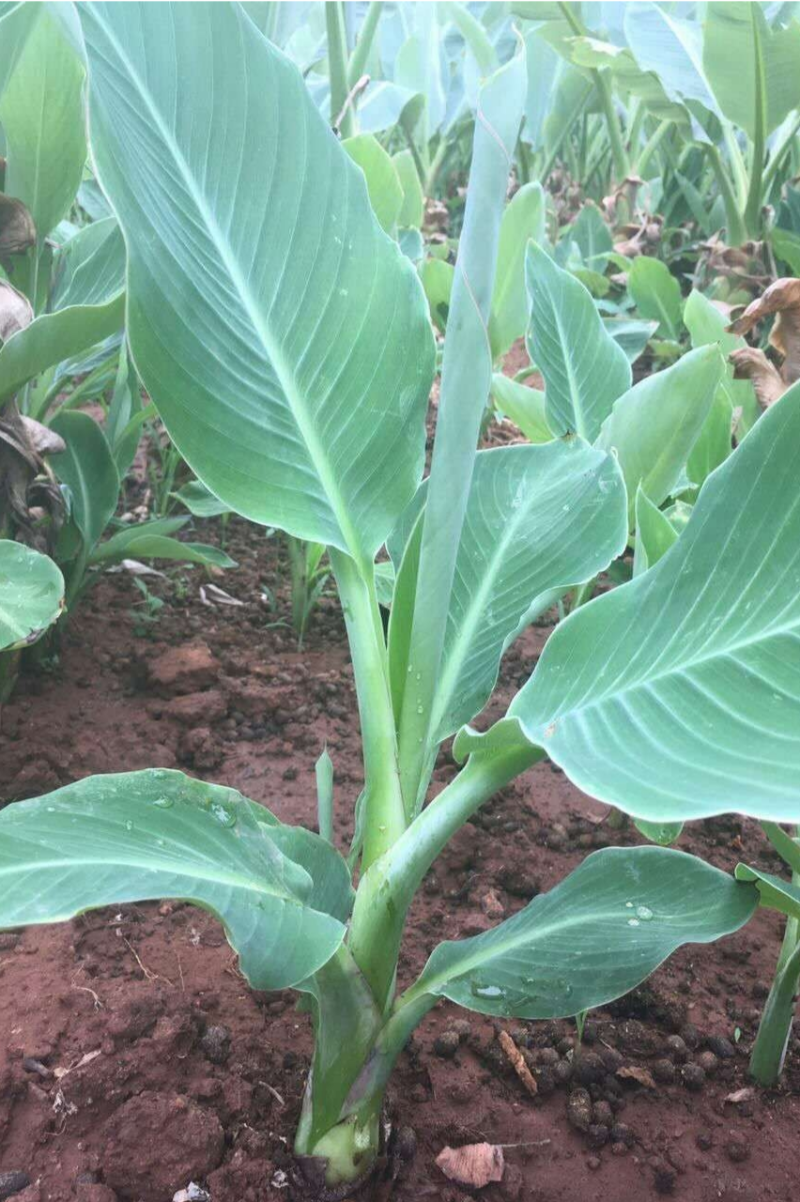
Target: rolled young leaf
(292, 326)
(584, 369)
(31, 594)
(592, 938)
(677, 695)
(157, 833)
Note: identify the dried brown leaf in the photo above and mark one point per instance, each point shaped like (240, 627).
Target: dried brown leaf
(632, 1072)
(15, 311)
(17, 231)
(739, 1095)
(43, 440)
(474, 1164)
(783, 299)
(750, 363)
(514, 1056)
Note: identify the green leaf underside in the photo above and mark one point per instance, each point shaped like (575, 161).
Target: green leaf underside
(157, 833)
(774, 892)
(676, 696)
(592, 938)
(653, 427)
(31, 594)
(87, 467)
(90, 269)
(54, 337)
(294, 326)
(538, 519)
(584, 369)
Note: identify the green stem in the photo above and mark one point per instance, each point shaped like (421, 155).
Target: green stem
(337, 65)
(602, 79)
(752, 211)
(737, 233)
(651, 146)
(431, 175)
(387, 890)
(738, 166)
(769, 1050)
(366, 36)
(635, 127)
(385, 815)
(777, 156)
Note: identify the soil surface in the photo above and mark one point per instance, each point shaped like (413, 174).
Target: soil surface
(134, 1059)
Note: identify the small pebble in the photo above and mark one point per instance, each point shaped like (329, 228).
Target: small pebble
(663, 1071)
(216, 1044)
(447, 1044)
(693, 1077)
(708, 1062)
(721, 1047)
(676, 1048)
(13, 1182)
(736, 1149)
(579, 1109)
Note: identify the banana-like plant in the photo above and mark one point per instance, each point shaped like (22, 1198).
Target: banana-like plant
(285, 342)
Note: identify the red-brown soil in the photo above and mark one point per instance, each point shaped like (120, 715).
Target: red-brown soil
(134, 1058)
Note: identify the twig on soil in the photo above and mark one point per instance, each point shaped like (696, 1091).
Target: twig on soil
(98, 1005)
(514, 1056)
(151, 976)
(278, 1097)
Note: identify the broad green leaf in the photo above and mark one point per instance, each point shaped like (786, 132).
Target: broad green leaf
(714, 443)
(592, 938)
(706, 324)
(673, 49)
(653, 427)
(54, 337)
(413, 207)
(655, 534)
(90, 268)
(662, 833)
(16, 23)
(42, 115)
(786, 245)
(437, 280)
(628, 74)
(31, 593)
(583, 367)
(383, 184)
(199, 500)
(539, 519)
(753, 69)
(293, 327)
(773, 891)
(590, 232)
(146, 835)
(523, 220)
(676, 696)
(657, 294)
(153, 540)
(87, 468)
(629, 333)
(523, 405)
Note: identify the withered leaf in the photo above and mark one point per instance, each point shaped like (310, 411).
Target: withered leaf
(474, 1164)
(514, 1056)
(15, 311)
(750, 363)
(17, 231)
(641, 1076)
(783, 299)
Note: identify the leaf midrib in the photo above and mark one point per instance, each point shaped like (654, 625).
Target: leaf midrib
(273, 353)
